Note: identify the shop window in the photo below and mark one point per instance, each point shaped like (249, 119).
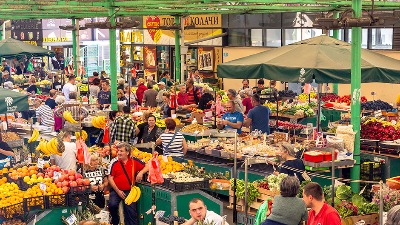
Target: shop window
(256, 37)
(291, 19)
(341, 34)
(273, 38)
(272, 20)
(225, 20)
(382, 38)
(253, 20)
(364, 37)
(237, 37)
(236, 20)
(310, 33)
(292, 36)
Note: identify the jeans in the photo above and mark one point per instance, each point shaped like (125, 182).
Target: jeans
(130, 212)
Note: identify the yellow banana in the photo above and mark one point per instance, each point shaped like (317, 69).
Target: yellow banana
(35, 136)
(102, 121)
(53, 143)
(84, 135)
(131, 196)
(68, 117)
(138, 193)
(95, 122)
(77, 134)
(39, 147)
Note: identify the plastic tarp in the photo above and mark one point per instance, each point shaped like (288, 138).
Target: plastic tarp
(325, 59)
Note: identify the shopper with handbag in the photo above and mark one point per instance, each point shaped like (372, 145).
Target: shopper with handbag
(173, 142)
(124, 171)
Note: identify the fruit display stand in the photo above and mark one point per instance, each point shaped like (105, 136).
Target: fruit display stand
(170, 201)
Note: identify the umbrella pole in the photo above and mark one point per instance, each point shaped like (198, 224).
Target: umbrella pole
(319, 108)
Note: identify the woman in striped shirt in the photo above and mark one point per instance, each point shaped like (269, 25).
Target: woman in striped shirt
(173, 142)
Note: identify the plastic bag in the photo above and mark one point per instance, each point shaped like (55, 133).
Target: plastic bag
(264, 211)
(155, 174)
(83, 155)
(106, 135)
(334, 142)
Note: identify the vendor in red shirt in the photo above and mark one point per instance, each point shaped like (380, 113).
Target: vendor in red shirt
(193, 93)
(140, 90)
(182, 100)
(124, 170)
(320, 213)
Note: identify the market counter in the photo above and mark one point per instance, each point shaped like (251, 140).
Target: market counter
(170, 201)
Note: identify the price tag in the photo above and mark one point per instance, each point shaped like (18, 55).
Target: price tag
(71, 219)
(165, 158)
(42, 186)
(56, 175)
(40, 163)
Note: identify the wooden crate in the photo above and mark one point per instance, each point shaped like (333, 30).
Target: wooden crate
(264, 191)
(370, 219)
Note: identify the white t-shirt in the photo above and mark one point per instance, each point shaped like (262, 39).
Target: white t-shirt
(68, 88)
(214, 218)
(67, 161)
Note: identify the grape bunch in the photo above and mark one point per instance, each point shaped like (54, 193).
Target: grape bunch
(170, 219)
(264, 185)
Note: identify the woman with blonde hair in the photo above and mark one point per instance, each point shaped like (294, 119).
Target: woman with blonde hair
(98, 180)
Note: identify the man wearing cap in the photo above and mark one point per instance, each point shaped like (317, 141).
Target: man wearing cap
(232, 119)
(140, 90)
(232, 95)
(162, 90)
(260, 86)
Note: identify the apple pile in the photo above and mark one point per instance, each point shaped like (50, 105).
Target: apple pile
(377, 130)
(68, 179)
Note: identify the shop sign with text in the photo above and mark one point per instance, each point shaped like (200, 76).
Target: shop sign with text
(209, 26)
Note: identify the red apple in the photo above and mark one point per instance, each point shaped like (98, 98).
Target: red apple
(65, 189)
(57, 168)
(71, 173)
(71, 178)
(79, 181)
(86, 182)
(73, 184)
(77, 176)
(40, 175)
(59, 184)
(65, 183)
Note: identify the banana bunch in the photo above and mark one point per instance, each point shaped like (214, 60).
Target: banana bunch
(99, 121)
(133, 195)
(35, 136)
(68, 117)
(48, 147)
(84, 135)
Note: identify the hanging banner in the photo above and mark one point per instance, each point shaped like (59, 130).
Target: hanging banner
(218, 57)
(150, 53)
(205, 26)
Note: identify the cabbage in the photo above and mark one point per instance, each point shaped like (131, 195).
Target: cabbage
(344, 192)
(358, 200)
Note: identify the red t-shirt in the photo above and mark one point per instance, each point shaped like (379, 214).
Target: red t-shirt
(118, 173)
(326, 216)
(182, 99)
(247, 102)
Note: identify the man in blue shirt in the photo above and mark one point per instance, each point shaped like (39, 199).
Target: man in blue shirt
(258, 116)
(232, 119)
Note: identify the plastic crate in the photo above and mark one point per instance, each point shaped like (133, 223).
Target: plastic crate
(241, 218)
(34, 203)
(86, 189)
(372, 171)
(12, 211)
(187, 186)
(55, 201)
(78, 199)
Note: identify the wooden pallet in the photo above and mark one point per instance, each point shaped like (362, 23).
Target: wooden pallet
(254, 206)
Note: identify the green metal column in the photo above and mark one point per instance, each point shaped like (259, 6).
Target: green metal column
(335, 86)
(177, 51)
(355, 92)
(74, 48)
(113, 60)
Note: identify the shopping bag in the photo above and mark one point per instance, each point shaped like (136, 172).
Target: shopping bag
(155, 174)
(106, 135)
(83, 155)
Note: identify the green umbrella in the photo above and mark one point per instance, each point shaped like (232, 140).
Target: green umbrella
(10, 48)
(11, 101)
(323, 58)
